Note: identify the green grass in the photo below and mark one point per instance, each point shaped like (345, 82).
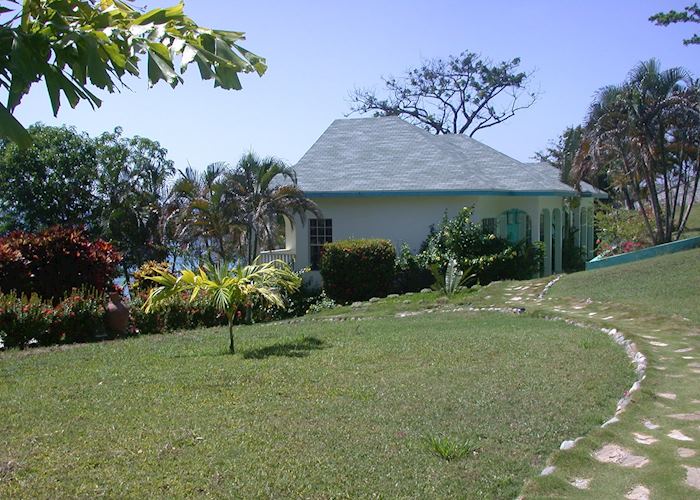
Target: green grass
(693, 226)
(664, 285)
(312, 409)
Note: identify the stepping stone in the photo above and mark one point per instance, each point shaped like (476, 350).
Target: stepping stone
(660, 368)
(658, 344)
(687, 349)
(648, 337)
(608, 318)
(688, 357)
(615, 454)
(678, 436)
(580, 483)
(692, 477)
(693, 365)
(548, 470)
(666, 395)
(686, 453)
(686, 416)
(675, 375)
(650, 425)
(638, 493)
(644, 438)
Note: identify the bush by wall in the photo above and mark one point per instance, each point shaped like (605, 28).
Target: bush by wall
(410, 275)
(357, 269)
(479, 252)
(53, 262)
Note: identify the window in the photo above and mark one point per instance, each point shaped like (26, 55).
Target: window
(320, 232)
(489, 225)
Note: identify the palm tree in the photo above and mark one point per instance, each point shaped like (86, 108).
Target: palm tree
(265, 189)
(201, 209)
(630, 133)
(227, 287)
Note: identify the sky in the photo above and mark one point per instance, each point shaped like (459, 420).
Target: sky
(319, 51)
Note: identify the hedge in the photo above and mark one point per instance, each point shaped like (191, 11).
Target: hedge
(357, 269)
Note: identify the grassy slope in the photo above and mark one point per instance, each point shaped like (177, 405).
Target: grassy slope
(665, 285)
(313, 409)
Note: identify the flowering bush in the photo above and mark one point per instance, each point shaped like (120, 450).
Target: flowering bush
(357, 269)
(79, 317)
(53, 262)
(619, 231)
(478, 251)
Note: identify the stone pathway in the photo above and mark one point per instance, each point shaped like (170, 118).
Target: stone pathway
(648, 448)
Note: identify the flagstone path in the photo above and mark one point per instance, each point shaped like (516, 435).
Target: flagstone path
(649, 448)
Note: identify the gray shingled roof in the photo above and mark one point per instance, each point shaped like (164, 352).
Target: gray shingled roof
(387, 155)
(554, 173)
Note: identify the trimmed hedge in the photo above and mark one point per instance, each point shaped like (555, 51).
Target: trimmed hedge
(357, 269)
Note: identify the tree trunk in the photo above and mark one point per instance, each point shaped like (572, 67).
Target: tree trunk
(231, 346)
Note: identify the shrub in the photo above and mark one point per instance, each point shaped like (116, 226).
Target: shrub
(477, 251)
(78, 317)
(53, 262)
(619, 230)
(410, 275)
(140, 283)
(357, 269)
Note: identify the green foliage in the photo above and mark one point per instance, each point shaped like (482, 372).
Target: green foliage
(449, 449)
(690, 14)
(77, 317)
(55, 261)
(616, 226)
(410, 275)
(453, 279)
(357, 269)
(229, 289)
(131, 188)
(460, 95)
(142, 284)
(53, 181)
(488, 257)
(76, 45)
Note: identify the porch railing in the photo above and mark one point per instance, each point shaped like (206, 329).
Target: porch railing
(286, 256)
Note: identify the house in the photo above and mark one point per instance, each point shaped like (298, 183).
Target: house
(382, 177)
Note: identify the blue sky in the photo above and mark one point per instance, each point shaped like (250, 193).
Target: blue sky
(318, 51)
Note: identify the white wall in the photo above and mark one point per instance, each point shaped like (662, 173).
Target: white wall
(404, 219)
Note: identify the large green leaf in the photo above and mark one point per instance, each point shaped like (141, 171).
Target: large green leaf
(13, 129)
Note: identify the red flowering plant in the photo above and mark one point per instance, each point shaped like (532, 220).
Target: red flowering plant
(53, 262)
(23, 319)
(79, 317)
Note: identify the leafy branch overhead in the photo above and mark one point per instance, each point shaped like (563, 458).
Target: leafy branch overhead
(82, 43)
(690, 14)
(460, 95)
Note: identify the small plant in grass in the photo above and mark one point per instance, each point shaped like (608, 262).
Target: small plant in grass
(449, 449)
(228, 287)
(453, 280)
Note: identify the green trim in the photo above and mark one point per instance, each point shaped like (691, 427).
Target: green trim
(646, 253)
(444, 192)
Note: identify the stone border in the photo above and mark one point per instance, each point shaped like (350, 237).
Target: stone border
(639, 361)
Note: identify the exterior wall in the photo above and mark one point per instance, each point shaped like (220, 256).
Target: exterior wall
(407, 219)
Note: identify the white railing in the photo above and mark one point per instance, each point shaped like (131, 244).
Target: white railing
(286, 256)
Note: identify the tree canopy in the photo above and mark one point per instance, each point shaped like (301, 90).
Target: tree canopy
(458, 95)
(644, 134)
(80, 45)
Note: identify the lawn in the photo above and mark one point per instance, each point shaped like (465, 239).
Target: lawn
(664, 285)
(311, 409)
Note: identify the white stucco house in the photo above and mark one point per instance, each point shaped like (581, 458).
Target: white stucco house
(385, 178)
